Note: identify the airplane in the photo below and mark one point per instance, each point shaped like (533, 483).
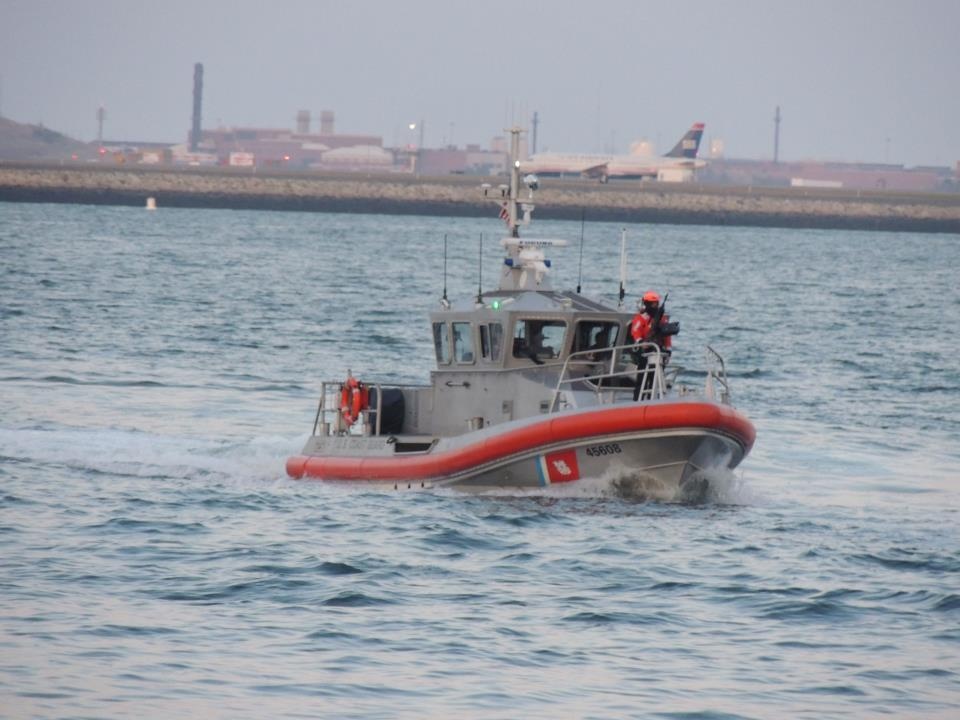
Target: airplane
(683, 157)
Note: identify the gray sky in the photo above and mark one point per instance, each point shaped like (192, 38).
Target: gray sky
(857, 80)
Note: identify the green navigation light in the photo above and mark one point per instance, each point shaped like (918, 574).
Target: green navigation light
(495, 304)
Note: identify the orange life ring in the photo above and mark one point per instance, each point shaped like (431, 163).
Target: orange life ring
(354, 399)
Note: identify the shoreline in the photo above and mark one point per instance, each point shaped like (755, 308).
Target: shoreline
(625, 201)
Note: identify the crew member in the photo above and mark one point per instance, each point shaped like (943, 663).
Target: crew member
(649, 325)
(599, 349)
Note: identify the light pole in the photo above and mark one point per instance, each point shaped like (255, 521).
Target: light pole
(416, 157)
(412, 148)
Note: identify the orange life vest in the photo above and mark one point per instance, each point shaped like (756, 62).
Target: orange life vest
(641, 330)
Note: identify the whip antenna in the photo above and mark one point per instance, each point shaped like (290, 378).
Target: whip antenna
(583, 215)
(623, 265)
(480, 279)
(443, 300)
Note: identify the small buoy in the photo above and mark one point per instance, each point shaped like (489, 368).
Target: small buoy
(151, 203)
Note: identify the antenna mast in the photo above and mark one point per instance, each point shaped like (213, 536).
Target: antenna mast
(511, 206)
(623, 266)
(443, 301)
(525, 266)
(480, 279)
(512, 209)
(583, 215)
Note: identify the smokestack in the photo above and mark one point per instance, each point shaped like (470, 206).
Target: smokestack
(101, 114)
(197, 100)
(326, 122)
(303, 122)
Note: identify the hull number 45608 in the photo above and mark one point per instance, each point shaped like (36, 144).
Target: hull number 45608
(608, 449)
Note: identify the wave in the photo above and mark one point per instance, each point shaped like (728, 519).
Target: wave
(906, 559)
(133, 453)
(710, 487)
(136, 454)
(242, 381)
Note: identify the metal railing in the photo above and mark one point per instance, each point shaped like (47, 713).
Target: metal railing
(615, 371)
(717, 376)
(335, 425)
(582, 366)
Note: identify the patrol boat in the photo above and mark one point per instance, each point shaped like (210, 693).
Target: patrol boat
(532, 387)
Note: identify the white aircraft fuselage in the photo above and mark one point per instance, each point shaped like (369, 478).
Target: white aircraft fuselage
(602, 167)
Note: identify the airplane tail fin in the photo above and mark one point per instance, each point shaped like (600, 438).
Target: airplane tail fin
(689, 144)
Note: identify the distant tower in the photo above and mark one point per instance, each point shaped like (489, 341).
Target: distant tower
(101, 114)
(533, 139)
(776, 136)
(197, 101)
(326, 122)
(303, 122)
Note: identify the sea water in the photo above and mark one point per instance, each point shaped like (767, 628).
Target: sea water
(157, 368)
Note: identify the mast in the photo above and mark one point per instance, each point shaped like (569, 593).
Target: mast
(514, 210)
(525, 266)
(513, 217)
(623, 267)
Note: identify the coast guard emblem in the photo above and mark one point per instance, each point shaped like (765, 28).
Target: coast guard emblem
(558, 467)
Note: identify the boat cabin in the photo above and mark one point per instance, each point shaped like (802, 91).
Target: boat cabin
(523, 330)
(500, 358)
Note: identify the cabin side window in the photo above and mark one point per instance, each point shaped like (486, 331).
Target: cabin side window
(462, 342)
(491, 341)
(441, 343)
(595, 335)
(539, 340)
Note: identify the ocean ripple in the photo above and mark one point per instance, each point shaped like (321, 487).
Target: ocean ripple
(158, 563)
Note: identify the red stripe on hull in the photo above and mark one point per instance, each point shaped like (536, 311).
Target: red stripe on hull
(569, 427)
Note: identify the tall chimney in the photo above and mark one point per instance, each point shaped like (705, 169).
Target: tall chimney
(197, 100)
(303, 122)
(326, 122)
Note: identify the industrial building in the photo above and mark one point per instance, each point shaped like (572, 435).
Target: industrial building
(298, 148)
(818, 174)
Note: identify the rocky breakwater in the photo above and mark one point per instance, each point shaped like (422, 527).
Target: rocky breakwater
(461, 196)
(770, 207)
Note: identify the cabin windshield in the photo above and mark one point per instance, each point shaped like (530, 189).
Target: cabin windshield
(595, 335)
(539, 339)
(462, 342)
(491, 341)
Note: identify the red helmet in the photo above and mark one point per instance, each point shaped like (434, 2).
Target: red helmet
(651, 297)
